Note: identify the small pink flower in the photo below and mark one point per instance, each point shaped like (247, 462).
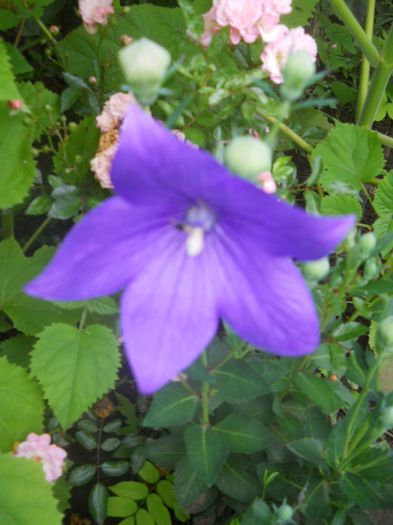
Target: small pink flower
(95, 12)
(267, 182)
(55, 30)
(15, 104)
(280, 43)
(40, 450)
(114, 111)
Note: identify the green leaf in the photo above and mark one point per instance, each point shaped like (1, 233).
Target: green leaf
(115, 468)
(235, 482)
(98, 502)
(149, 473)
(341, 205)
(22, 406)
(17, 164)
(165, 451)
(157, 509)
(166, 492)
(44, 106)
(130, 489)
(25, 495)
(12, 12)
(39, 206)
(144, 518)
(243, 433)
(8, 89)
(206, 452)
(351, 156)
(187, 484)
(320, 391)
(172, 406)
(309, 449)
(87, 440)
(238, 382)
(302, 11)
(17, 350)
(110, 444)
(81, 475)
(383, 202)
(360, 491)
(20, 65)
(121, 507)
(63, 359)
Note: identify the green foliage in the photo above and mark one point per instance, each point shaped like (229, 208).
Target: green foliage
(8, 89)
(172, 406)
(63, 357)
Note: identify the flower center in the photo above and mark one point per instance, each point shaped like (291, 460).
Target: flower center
(199, 220)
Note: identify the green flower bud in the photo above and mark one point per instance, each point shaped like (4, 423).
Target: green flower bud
(248, 157)
(385, 333)
(298, 70)
(366, 244)
(144, 65)
(72, 126)
(284, 513)
(316, 270)
(371, 269)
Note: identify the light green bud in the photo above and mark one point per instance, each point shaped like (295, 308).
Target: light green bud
(316, 270)
(385, 332)
(248, 156)
(387, 417)
(298, 70)
(144, 64)
(366, 244)
(284, 513)
(371, 269)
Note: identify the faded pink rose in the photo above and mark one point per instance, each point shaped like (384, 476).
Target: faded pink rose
(40, 450)
(101, 166)
(95, 12)
(114, 111)
(280, 43)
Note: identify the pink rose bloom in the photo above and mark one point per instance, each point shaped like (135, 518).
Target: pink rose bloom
(267, 182)
(211, 27)
(101, 166)
(40, 450)
(95, 12)
(280, 43)
(114, 111)
(271, 12)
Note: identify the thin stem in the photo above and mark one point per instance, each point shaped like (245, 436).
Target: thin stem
(8, 224)
(365, 67)
(21, 27)
(378, 84)
(83, 319)
(287, 131)
(342, 11)
(205, 395)
(46, 31)
(36, 234)
(385, 140)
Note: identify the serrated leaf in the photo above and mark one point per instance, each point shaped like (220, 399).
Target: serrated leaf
(22, 407)
(25, 495)
(321, 392)
(64, 357)
(172, 406)
(8, 89)
(187, 484)
(17, 350)
(16, 160)
(302, 11)
(20, 65)
(40, 99)
(206, 452)
(235, 482)
(130, 489)
(341, 205)
(351, 156)
(121, 507)
(383, 201)
(243, 433)
(238, 382)
(157, 509)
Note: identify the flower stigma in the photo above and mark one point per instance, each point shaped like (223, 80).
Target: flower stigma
(199, 220)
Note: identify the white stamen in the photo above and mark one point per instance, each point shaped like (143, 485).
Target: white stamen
(195, 241)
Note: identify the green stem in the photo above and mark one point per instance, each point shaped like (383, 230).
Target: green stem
(378, 84)
(342, 11)
(205, 395)
(365, 67)
(8, 224)
(83, 319)
(36, 234)
(287, 131)
(46, 31)
(385, 140)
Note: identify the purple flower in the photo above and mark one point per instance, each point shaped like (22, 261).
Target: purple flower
(190, 243)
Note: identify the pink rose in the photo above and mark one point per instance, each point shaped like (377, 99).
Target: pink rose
(95, 12)
(114, 111)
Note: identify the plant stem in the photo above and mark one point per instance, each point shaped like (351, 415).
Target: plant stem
(21, 27)
(385, 140)
(365, 67)
(36, 234)
(287, 131)
(205, 395)
(378, 84)
(342, 11)
(8, 224)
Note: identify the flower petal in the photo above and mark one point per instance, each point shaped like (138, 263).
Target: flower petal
(265, 300)
(101, 253)
(169, 314)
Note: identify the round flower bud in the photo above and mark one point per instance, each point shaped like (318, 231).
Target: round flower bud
(15, 104)
(298, 70)
(316, 270)
(385, 332)
(366, 244)
(144, 65)
(371, 269)
(284, 513)
(248, 157)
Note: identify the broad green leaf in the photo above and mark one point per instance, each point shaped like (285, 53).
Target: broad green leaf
(11, 12)
(149, 473)
(63, 359)
(44, 106)
(121, 507)
(20, 65)
(243, 433)
(130, 489)
(360, 491)
(341, 205)
(383, 202)
(351, 156)
(187, 484)
(238, 382)
(309, 449)
(25, 496)
(206, 452)
(8, 89)
(165, 451)
(144, 518)
(17, 164)
(172, 406)
(301, 13)
(17, 350)
(157, 509)
(98, 503)
(320, 391)
(22, 406)
(235, 482)
(28, 314)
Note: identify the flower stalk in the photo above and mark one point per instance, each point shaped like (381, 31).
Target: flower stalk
(365, 67)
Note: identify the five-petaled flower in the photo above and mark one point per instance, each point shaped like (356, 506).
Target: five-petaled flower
(191, 244)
